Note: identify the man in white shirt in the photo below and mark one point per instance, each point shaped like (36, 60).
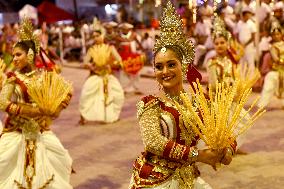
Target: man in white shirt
(202, 32)
(246, 30)
(240, 5)
(263, 11)
(148, 45)
(206, 10)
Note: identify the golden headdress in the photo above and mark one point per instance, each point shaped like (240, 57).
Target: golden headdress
(172, 35)
(219, 29)
(275, 26)
(26, 33)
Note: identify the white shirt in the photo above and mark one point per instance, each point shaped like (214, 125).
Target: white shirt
(203, 28)
(240, 5)
(245, 30)
(263, 11)
(148, 43)
(228, 10)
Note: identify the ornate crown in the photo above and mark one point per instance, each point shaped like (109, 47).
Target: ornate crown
(26, 33)
(219, 29)
(275, 26)
(172, 35)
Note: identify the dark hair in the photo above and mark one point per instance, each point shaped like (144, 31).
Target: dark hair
(146, 35)
(26, 45)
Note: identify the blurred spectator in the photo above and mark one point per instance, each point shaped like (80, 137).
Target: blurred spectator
(148, 44)
(110, 35)
(206, 10)
(263, 11)
(122, 14)
(246, 30)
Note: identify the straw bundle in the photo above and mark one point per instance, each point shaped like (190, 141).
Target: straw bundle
(48, 91)
(100, 54)
(247, 78)
(217, 119)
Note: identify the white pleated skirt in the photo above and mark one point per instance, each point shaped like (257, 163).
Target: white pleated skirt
(52, 161)
(92, 101)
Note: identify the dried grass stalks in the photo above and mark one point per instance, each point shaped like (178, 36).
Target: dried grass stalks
(220, 119)
(48, 91)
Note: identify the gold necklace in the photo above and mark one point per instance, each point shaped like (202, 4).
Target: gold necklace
(174, 98)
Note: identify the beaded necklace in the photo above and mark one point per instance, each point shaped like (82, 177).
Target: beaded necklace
(174, 98)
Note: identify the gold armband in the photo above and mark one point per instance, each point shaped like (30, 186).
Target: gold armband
(66, 101)
(14, 109)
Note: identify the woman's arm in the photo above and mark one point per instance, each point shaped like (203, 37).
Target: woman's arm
(63, 105)
(274, 54)
(15, 108)
(156, 143)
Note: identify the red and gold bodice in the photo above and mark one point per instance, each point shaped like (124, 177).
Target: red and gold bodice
(168, 145)
(277, 54)
(220, 69)
(14, 96)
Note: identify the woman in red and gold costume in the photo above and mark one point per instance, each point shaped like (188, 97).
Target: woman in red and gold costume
(31, 156)
(171, 152)
(222, 66)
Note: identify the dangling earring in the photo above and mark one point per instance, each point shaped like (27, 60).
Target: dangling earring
(160, 87)
(30, 56)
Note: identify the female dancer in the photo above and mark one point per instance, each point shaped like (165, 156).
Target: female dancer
(102, 96)
(222, 66)
(274, 80)
(31, 156)
(171, 152)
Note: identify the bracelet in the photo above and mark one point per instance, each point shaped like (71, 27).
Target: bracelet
(13, 109)
(229, 150)
(193, 154)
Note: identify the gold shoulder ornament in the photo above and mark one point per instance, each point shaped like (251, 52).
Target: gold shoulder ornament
(142, 106)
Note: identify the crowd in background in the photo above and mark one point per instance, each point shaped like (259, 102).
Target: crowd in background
(242, 19)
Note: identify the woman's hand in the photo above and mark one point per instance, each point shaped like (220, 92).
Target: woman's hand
(34, 112)
(210, 157)
(89, 66)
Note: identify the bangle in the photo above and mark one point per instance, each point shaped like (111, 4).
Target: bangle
(193, 154)
(229, 150)
(13, 109)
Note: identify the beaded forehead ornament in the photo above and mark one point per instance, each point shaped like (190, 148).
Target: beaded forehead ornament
(172, 35)
(219, 29)
(26, 33)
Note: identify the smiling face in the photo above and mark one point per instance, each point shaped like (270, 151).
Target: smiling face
(19, 58)
(168, 70)
(220, 45)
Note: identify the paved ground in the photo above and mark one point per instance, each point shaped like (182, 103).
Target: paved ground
(103, 154)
